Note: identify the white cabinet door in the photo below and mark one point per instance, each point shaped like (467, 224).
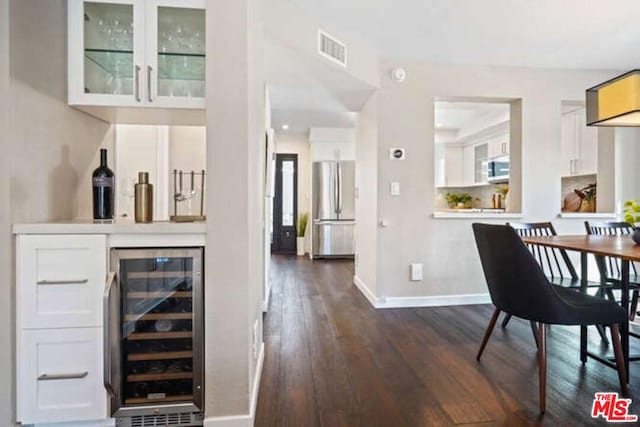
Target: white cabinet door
(588, 149)
(439, 175)
(175, 53)
(60, 375)
(579, 145)
(329, 151)
(106, 52)
(60, 280)
(454, 166)
(499, 146)
(567, 144)
(469, 165)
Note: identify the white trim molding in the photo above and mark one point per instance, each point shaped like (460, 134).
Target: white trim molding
(421, 301)
(245, 420)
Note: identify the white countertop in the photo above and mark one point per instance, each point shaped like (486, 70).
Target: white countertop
(457, 214)
(118, 226)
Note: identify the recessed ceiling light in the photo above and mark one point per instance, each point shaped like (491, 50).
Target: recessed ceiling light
(285, 127)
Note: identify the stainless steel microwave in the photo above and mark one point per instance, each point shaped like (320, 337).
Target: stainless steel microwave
(498, 170)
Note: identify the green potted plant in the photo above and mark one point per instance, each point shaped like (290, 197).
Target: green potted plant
(632, 216)
(460, 200)
(301, 229)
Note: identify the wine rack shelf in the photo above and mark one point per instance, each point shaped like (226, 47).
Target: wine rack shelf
(140, 400)
(158, 274)
(152, 295)
(159, 316)
(160, 377)
(135, 357)
(159, 335)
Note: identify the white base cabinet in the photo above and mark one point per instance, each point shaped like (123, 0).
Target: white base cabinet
(60, 376)
(59, 284)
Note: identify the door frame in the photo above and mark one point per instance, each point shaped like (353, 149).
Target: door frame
(277, 201)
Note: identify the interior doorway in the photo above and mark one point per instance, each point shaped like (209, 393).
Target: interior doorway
(285, 204)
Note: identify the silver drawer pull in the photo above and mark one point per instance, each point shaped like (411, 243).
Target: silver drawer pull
(62, 282)
(74, 376)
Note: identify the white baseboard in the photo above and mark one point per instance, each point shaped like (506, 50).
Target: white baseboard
(245, 420)
(265, 303)
(362, 287)
(426, 301)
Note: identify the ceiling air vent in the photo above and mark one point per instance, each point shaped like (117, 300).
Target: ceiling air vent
(331, 48)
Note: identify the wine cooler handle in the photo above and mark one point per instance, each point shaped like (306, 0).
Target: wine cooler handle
(149, 70)
(107, 333)
(137, 84)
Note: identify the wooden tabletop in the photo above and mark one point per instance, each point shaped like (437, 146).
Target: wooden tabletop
(615, 246)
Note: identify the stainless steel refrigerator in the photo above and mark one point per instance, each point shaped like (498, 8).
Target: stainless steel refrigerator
(333, 209)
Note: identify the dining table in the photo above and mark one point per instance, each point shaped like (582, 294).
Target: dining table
(622, 248)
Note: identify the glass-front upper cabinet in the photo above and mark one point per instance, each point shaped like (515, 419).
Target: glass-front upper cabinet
(137, 53)
(176, 53)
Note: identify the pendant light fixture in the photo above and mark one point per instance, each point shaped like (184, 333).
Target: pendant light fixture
(615, 102)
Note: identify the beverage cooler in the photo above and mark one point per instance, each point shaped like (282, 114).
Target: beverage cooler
(154, 337)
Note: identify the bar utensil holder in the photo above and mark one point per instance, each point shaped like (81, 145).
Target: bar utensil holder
(182, 196)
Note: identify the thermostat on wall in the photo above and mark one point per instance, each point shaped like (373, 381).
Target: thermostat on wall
(396, 153)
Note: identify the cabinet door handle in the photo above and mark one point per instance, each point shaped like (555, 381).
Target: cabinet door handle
(149, 70)
(137, 83)
(62, 282)
(70, 376)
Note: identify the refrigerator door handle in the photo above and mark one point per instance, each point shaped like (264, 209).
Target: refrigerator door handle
(339, 186)
(106, 305)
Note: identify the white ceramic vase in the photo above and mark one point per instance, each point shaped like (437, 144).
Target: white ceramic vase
(300, 246)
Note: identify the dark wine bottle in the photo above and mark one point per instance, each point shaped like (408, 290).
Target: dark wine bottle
(140, 389)
(103, 189)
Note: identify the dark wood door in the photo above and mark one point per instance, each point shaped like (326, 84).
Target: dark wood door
(285, 204)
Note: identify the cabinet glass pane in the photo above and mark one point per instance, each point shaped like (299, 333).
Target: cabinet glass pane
(481, 153)
(287, 193)
(181, 52)
(108, 48)
(157, 328)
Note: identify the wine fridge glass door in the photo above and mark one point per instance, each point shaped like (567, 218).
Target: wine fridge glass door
(161, 328)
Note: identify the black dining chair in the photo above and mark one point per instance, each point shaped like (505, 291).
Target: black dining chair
(518, 286)
(610, 268)
(556, 265)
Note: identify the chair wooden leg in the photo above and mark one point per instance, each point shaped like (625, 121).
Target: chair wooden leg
(506, 319)
(634, 305)
(617, 350)
(534, 330)
(542, 366)
(487, 334)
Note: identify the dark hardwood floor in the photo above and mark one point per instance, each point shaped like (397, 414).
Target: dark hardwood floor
(332, 360)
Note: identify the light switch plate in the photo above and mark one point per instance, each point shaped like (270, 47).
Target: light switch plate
(395, 188)
(416, 272)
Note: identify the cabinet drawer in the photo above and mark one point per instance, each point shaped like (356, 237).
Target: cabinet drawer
(60, 280)
(60, 376)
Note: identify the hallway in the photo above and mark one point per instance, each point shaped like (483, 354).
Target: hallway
(332, 360)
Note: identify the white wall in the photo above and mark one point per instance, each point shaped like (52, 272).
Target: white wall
(56, 147)
(405, 114)
(367, 195)
(627, 172)
(7, 312)
(299, 144)
(235, 158)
